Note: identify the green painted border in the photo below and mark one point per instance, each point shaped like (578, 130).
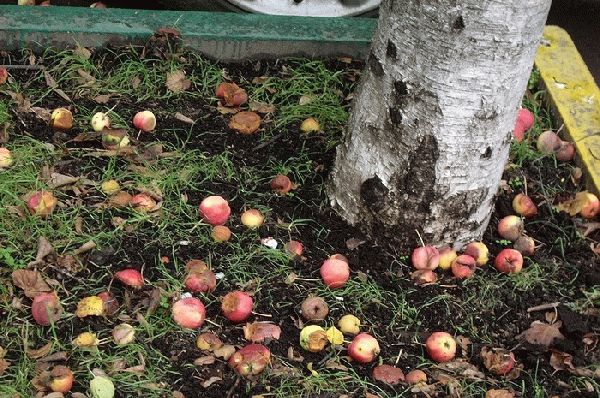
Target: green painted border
(225, 36)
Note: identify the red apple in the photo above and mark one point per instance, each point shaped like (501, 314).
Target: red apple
(591, 205)
(524, 206)
(189, 313)
(142, 202)
(215, 210)
(566, 152)
(145, 121)
(250, 360)
(510, 228)
(46, 308)
(479, 251)
(447, 255)
(525, 245)
(220, 233)
(335, 273)
(3, 76)
(130, 277)
(526, 118)
(281, 184)
(314, 308)
(364, 348)
(201, 281)
(416, 376)
(519, 131)
(440, 347)
(61, 379)
(425, 257)
(41, 203)
(509, 261)
(237, 306)
(294, 249)
(252, 218)
(463, 266)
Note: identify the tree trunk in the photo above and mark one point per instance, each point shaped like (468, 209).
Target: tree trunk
(429, 133)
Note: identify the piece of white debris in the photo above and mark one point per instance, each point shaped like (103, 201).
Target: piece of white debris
(269, 242)
(219, 275)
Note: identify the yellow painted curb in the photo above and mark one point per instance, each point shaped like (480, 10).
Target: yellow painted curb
(574, 96)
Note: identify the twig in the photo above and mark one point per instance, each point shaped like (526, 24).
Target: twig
(25, 67)
(420, 239)
(543, 307)
(233, 387)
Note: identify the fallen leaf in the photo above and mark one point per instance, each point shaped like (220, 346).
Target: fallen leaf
(388, 374)
(353, 243)
(89, 306)
(102, 98)
(458, 368)
(261, 107)
(499, 394)
(293, 355)
(4, 364)
(40, 352)
(120, 199)
(87, 136)
(245, 122)
(258, 332)
(211, 381)
(260, 79)
(561, 360)
(224, 352)
(86, 247)
(223, 110)
(177, 82)
(182, 118)
(305, 100)
(31, 282)
(542, 333)
(60, 180)
(205, 360)
(86, 78)
(82, 52)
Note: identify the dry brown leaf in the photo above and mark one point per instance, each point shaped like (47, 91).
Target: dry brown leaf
(44, 249)
(82, 52)
(388, 374)
(86, 78)
(31, 282)
(211, 381)
(102, 98)
(40, 352)
(223, 110)
(261, 107)
(225, 352)
(499, 394)
(182, 118)
(60, 180)
(42, 113)
(135, 82)
(561, 360)
(458, 368)
(177, 82)
(542, 333)
(257, 332)
(205, 360)
(120, 199)
(245, 122)
(260, 79)
(4, 364)
(293, 355)
(353, 243)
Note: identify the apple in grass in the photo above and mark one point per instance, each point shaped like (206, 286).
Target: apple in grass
(189, 312)
(524, 206)
(425, 257)
(441, 346)
(61, 119)
(294, 249)
(201, 281)
(498, 360)
(237, 306)
(214, 210)
(41, 203)
(220, 233)
(590, 205)
(416, 376)
(142, 202)
(130, 277)
(61, 379)
(479, 251)
(100, 121)
(313, 338)
(335, 273)
(144, 121)
(114, 139)
(46, 309)
(463, 266)
(509, 261)
(364, 348)
(252, 218)
(6, 158)
(281, 184)
(250, 360)
(510, 227)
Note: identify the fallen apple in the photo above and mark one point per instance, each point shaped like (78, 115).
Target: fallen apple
(335, 273)
(61, 119)
(425, 257)
(110, 187)
(281, 184)
(510, 228)
(220, 233)
(231, 94)
(214, 210)
(498, 360)
(130, 277)
(525, 245)
(479, 251)
(447, 255)
(41, 203)
(349, 324)
(200, 281)
(440, 346)
(123, 334)
(208, 341)
(294, 249)
(100, 121)
(310, 125)
(250, 360)
(143, 202)
(590, 205)
(252, 218)
(114, 139)
(526, 117)
(144, 121)
(245, 122)
(189, 312)
(314, 308)
(423, 277)
(237, 306)
(364, 348)
(519, 131)
(313, 338)
(110, 304)
(509, 261)
(463, 266)
(566, 152)
(548, 142)
(3, 76)
(416, 376)
(524, 206)
(6, 158)
(46, 309)
(61, 379)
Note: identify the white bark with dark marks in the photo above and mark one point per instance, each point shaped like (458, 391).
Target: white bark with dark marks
(429, 133)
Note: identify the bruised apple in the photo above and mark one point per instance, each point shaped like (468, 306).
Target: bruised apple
(237, 306)
(313, 338)
(46, 309)
(425, 257)
(61, 119)
(364, 348)
(214, 210)
(479, 251)
(463, 266)
(441, 346)
(281, 184)
(510, 228)
(189, 312)
(524, 206)
(41, 203)
(335, 273)
(250, 360)
(61, 379)
(416, 376)
(314, 308)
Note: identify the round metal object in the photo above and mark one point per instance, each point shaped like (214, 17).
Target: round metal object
(309, 8)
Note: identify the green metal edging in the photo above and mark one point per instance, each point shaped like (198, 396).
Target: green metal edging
(225, 36)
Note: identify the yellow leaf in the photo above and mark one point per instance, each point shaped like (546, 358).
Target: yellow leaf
(335, 336)
(92, 305)
(309, 366)
(86, 340)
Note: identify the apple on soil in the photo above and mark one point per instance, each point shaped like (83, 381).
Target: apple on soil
(335, 273)
(425, 257)
(509, 261)
(214, 210)
(189, 312)
(441, 346)
(364, 348)
(237, 306)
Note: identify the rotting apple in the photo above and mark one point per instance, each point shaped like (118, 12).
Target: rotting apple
(510, 227)
(310, 125)
(143, 202)
(281, 184)
(237, 306)
(6, 158)
(245, 122)
(441, 346)
(525, 245)
(423, 277)
(200, 281)
(144, 121)
(114, 139)
(110, 187)
(349, 324)
(479, 251)
(498, 360)
(463, 266)
(314, 308)
(100, 121)
(130, 277)
(313, 338)
(123, 334)
(41, 203)
(61, 379)
(524, 206)
(231, 94)
(548, 142)
(364, 348)
(425, 257)
(447, 255)
(294, 249)
(208, 341)
(221, 233)
(46, 308)
(509, 261)
(252, 218)
(590, 205)
(61, 119)
(335, 273)
(416, 376)
(250, 360)
(189, 312)
(214, 210)
(566, 152)
(110, 304)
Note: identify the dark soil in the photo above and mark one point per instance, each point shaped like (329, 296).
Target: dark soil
(383, 261)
